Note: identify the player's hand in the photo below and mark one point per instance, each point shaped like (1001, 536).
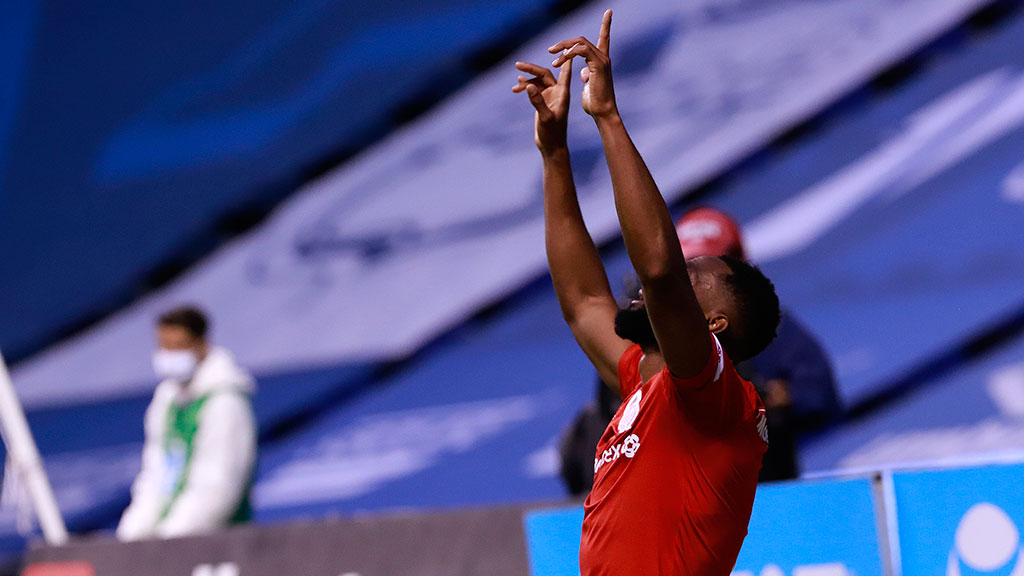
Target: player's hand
(598, 92)
(550, 97)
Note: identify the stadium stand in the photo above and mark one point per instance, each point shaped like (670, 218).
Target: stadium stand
(891, 224)
(843, 280)
(450, 203)
(972, 413)
(214, 121)
(894, 229)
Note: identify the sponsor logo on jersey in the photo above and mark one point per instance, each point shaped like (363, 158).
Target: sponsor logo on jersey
(630, 412)
(627, 448)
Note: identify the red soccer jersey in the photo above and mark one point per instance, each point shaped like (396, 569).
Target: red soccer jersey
(675, 473)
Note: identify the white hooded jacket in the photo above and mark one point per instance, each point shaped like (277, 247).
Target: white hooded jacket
(219, 472)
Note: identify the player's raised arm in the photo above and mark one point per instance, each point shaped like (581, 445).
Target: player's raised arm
(676, 316)
(576, 269)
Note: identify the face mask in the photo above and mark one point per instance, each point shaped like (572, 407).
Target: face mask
(174, 364)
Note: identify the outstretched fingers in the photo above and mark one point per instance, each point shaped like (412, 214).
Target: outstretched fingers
(604, 36)
(542, 77)
(580, 46)
(566, 44)
(522, 82)
(565, 73)
(537, 99)
(588, 51)
(540, 72)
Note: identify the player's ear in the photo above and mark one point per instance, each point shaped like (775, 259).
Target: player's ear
(717, 322)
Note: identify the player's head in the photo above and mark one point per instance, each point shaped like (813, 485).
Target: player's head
(181, 343)
(752, 303)
(738, 300)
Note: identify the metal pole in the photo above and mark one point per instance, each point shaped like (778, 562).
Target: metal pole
(24, 457)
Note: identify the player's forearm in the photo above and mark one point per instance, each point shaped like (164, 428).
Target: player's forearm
(576, 269)
(647, 228)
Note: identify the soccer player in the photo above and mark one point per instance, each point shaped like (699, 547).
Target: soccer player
(676, 470)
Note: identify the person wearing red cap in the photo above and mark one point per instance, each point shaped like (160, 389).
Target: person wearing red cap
(708, 232)
(676, 470)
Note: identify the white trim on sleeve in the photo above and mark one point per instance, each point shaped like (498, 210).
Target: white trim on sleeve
(721, 358)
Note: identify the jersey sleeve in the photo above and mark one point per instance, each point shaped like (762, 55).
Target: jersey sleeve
(716, 398)
(629, 370)
(710, 374)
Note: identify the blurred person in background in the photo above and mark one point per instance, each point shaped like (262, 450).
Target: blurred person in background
(200, 448)
(793, 375)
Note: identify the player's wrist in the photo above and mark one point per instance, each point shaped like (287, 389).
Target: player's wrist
(557, 153)
(608, 119)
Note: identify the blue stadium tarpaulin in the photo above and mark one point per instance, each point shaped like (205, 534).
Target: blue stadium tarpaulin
(113, 159)
(973, 414)
(895, 233)
(394, 248)
(947, 227)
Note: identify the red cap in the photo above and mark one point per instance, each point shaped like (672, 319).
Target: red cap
(708, 232)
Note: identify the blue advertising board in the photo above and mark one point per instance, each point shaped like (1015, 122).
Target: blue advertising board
(824, 528)
(553, 541)
(961, 522)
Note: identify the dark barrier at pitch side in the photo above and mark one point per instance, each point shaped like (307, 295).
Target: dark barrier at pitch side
(465, 543)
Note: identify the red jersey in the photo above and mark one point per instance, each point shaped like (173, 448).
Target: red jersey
(675, 473)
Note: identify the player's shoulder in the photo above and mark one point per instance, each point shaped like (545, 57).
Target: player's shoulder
(709, 379)
(753, 415)
(747, 391)
(629, 369)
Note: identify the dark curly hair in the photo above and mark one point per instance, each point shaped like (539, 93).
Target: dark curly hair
(758, 309)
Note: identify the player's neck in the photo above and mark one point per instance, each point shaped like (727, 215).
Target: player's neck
(651, 363)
